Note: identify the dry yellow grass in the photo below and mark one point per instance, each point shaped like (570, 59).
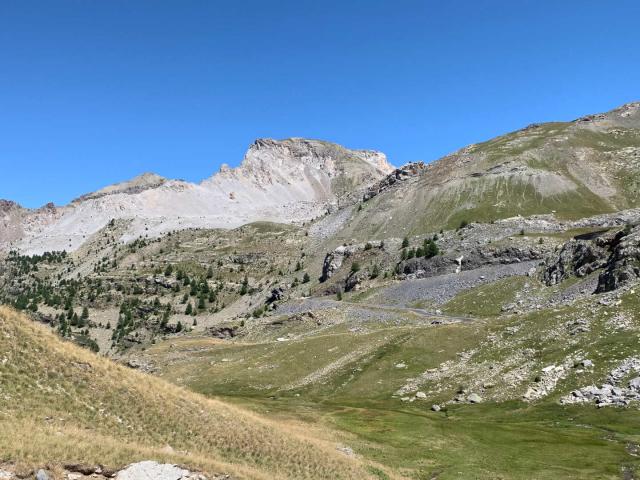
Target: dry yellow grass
(60, 403)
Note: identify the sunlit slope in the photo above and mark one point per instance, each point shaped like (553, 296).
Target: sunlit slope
(573, 169)
(59, 403)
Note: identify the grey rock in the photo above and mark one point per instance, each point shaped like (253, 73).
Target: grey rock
(474, 398)
(333, 260)
(42, 475)
(435, 408)
(577, 257)
(276, 294)
(634, 383)
(348, 451)
(622, 266)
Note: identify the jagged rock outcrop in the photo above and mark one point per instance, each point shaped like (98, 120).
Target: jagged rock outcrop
(401, 174)
(616, 253)
(276, 294)
(333, 261)
(479, 257)
(354, 280)
(576, 258)
(623, 265)
(223, 333)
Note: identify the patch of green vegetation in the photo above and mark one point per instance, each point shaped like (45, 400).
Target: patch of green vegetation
(504, 198)
(508, 441)
(486, 300)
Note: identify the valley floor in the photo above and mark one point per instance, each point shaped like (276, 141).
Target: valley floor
(375, 378)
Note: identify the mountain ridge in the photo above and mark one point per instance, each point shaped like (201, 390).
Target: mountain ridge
(290, 180)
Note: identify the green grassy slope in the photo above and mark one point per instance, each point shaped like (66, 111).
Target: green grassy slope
(573, 169)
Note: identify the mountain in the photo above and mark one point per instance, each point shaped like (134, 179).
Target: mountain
(291, 180)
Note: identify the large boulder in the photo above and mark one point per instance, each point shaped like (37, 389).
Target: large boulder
(148, 470)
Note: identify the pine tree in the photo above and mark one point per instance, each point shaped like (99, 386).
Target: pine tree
(165, 320)
(245, 286)
(375, 272)
(306, 278)
(431, 249)
(405, 242)
(188, 310)
(85, 313)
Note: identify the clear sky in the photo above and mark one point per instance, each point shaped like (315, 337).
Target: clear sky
(95, 92)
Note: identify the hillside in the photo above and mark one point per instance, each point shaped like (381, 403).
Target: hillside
(61, 404)
(571, 169)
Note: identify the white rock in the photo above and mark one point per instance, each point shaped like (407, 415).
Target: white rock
(150, 470)
(635, 383)
(474, 398)
(421, 395)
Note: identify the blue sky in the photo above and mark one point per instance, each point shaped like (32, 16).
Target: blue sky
(95, 92)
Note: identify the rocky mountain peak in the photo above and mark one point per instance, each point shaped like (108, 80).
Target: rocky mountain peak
(289, 155)
(294, 160)
(137, 184)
